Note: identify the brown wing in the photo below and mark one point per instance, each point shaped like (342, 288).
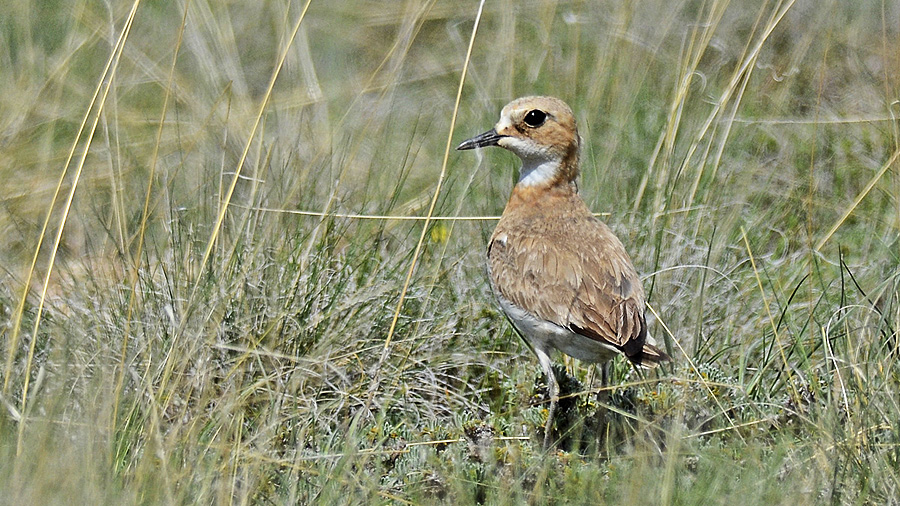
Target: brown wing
(573, 272)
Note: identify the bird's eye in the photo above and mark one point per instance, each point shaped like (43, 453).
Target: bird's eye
(535, 118)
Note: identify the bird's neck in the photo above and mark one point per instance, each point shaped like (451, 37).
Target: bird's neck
(535, 195)
(538, 172)
(544, 172)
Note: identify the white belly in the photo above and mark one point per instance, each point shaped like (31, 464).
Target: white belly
(545, 336)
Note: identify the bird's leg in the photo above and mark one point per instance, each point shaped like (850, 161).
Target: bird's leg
(551, 415)
(553, 385)
(603, 400)
(603, 394)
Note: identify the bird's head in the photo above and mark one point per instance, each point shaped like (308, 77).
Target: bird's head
(542, 132)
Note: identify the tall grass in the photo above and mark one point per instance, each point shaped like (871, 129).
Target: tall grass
(198, 290)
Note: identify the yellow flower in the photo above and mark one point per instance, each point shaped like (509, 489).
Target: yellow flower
(440, 233)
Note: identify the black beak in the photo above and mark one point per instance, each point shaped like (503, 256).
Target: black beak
(489, 138)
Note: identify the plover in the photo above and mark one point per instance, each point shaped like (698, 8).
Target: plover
(560, 274)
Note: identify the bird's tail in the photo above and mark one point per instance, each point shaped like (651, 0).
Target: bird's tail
(650, 357)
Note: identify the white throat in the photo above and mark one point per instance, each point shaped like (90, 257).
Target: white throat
(537, 171)
(538, 165)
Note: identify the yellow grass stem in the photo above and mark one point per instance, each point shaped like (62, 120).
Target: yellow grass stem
(762, 294)
(217, 227)
(142, 227)
(859, 198)
(103, 87)
(706, 384)
(428, 216)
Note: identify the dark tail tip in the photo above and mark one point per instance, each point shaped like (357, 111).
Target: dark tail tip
(650, 357)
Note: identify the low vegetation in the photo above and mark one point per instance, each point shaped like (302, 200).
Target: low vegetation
(218, 285)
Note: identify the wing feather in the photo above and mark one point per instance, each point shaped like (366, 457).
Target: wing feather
(573, 271)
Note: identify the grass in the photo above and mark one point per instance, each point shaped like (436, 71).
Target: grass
(176, 332)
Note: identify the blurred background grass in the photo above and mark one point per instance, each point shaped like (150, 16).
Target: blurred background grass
(745, 153)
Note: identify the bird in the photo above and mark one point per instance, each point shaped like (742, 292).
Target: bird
(561, 276)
